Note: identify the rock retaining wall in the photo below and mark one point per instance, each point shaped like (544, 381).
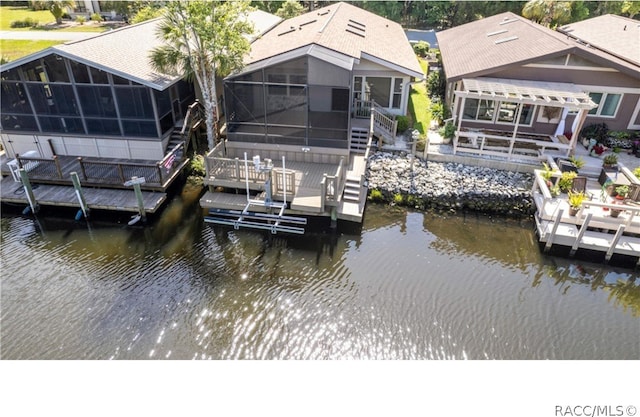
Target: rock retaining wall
(399, 179)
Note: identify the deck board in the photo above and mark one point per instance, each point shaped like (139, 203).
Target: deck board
(96, 198)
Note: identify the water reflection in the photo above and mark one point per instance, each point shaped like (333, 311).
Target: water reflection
(406, 285)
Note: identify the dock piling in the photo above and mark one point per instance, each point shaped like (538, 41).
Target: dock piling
(29, 191)
(76, 184)
(554, 230)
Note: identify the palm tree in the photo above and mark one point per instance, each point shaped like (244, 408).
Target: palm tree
(58, 8)
(203, 39)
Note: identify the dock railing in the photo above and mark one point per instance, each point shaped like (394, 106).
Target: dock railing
(103, 171)
(592, 213)
(332, 187)
(232, 170)
(484, 143)
(38, 167)
(383, 123)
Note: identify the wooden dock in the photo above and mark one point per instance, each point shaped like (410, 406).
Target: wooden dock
(308, 183)
(65, 196)
(593, 228)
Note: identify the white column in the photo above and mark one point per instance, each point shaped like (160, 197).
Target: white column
(561, 124)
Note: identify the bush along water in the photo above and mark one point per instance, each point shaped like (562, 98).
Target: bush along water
(395, 179)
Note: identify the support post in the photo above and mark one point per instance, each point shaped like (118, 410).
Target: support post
(138, 191)
(554, 229)
(29, 191)
(81, 200)
(583, 229)
(614, 242)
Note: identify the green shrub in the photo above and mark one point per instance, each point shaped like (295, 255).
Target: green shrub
(24, 23)
(597, 131)
(403, 123)
(196, 166)
(636, 172)
(436, 85)
(421, 48)
(398, 199)
(448, 131)
(96, 17)
(376, 195)
(81, 19)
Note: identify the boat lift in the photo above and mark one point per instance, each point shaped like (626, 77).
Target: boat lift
(255, 220)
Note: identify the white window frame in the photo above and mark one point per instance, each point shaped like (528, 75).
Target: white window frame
(605, 94)
(363, 90)
(496, 111)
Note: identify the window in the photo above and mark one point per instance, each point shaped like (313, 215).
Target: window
(379, 89)
(397, 93)
(607, 104)
(481, 109)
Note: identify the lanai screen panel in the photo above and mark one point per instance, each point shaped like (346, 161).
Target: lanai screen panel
(303, 101)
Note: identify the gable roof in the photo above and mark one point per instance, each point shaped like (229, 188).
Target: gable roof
(506, 39)
(345, 29)
(617, 35)
(125, 51)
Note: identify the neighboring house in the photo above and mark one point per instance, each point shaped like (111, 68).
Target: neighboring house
(508, 75)
(97, 97)
(310, 91)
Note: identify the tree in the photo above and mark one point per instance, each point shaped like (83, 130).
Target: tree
(631, 8)
(58, 8)
(203, 39)
(289, 9)
(549, 13)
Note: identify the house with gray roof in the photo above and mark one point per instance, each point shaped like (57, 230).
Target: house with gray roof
(98, 97)
(511, 77)
(305, 79)
(314, 91)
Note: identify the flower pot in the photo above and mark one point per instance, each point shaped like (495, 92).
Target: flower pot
(615, 213)
(573, 211)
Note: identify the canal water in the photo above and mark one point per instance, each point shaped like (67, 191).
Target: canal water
(407, 285)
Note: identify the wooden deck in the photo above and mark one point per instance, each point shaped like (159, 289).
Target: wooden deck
(593, 228)
(101, 172)
(65, 196)
(306, 198)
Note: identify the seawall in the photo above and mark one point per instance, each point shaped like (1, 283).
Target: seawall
(399, 178)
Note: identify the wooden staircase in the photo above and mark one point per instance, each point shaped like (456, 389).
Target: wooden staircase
(359, 138)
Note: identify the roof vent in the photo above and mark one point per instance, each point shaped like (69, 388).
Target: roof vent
(507, 21)
(308, 23)
(292, 29)
(497, 32)
(503, 40)
(361, 34)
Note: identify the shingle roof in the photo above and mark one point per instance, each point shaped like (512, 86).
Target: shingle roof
(125, 51)
(490, 44)
(345, 29)
(617, 35)
(496, 41)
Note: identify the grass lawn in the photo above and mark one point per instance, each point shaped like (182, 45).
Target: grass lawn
(46, 21)
(9, 14)
(14, 49)
(419, 104)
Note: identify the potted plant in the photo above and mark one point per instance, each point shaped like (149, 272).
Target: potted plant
(448, 131)
(547, 174)
(636, 172)
(577, 161)
(575, 201)
(610, 162)
(566, 181)
(621, 192)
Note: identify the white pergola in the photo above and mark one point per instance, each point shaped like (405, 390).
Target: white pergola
(567, 96)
